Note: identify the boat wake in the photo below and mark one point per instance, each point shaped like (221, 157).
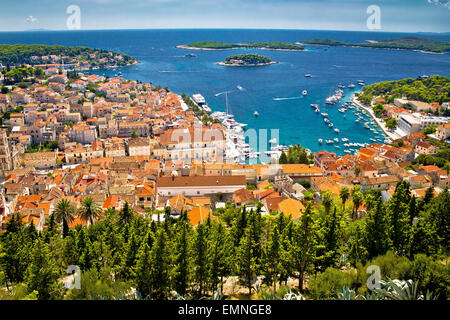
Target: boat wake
(176, 71)
(290, 98)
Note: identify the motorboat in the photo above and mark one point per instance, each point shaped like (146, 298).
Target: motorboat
(304, 92)
(320, 141)
(256, 113)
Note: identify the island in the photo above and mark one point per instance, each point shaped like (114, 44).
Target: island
(405, 43)
(246, 60)
(216, 45)
(62, 57)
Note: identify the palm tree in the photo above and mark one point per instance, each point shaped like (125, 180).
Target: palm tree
(327, 201)
(89, 210)
(357, 198)
(64, 213)
(357, 171)
(344, 194)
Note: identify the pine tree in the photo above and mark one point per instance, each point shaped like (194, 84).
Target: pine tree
(160, 267)
(182, 261)
(220, 256)
(42, 273)
(283, 158)
(303, 245)
(412, 210)
(126, 213)
(377, 239)
(399, 219)
(246, 262)
(271, 258)
(143, 271)
(200, 258)
(429, 195)
(332, 237)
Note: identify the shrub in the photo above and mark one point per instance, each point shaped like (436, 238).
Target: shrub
(328, 283)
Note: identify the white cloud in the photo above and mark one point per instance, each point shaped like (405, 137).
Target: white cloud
(30, 19)
(445, 3)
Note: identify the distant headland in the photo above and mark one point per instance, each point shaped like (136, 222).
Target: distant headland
(246, 60)
(216, 45)
(405, 43)
(78, 58)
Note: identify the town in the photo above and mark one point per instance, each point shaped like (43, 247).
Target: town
(72, 140)
(113, 140)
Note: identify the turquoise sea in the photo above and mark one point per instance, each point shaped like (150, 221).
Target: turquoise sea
(163, 64)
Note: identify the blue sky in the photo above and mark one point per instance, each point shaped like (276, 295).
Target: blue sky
(396, 15)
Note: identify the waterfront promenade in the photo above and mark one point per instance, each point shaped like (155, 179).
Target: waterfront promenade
(380, 123)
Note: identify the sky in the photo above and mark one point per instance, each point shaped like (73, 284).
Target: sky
(395, 15)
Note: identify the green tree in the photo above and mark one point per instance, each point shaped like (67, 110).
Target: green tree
(89, 210)
(245, 261)
(220, 255)
(283, 158)
(399, 219)
(126, 213)
(64, 213)
(200, 258)
(344, 194)
(134, 134)
(303, 245)
(271, 258)
(143, 271)
(160, 266)
(327, 201)
(377, 239)
(42, 273)
(391, 123)
(357, 198)
(182, 261)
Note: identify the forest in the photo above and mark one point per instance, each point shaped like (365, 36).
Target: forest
(274, 45)
(433, 89)
(21, 54)
(405, 43)
(247, 59)
(323, 255)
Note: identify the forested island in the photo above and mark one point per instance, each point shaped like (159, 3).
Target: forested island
(76, 57)
(216, 45)
(246, 60)
(432, 89)
(405, 43)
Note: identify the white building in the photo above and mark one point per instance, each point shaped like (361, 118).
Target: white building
(413, 123)
(199, 185)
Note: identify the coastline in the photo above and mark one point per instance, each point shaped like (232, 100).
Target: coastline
(392, 135)
(245, 65)
(183, 46)
(368, 47)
